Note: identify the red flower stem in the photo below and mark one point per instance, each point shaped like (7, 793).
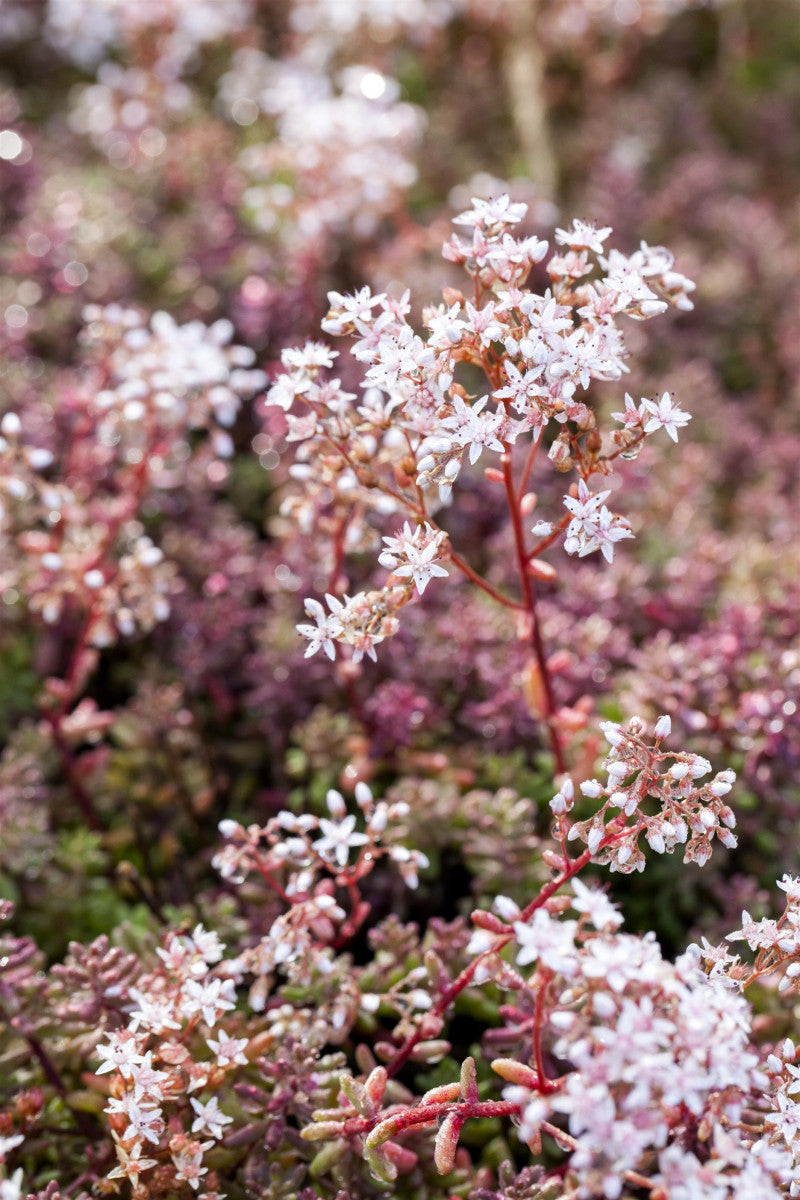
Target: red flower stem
(72, 674)
(273, 883)
(483, 584)
(462, 981)
(356, 917)
(467, 1110)
(623, 449)
(529, 461)
(529, 598)
(338, 552)
(543, 1083)
(71, 770)
(429, 1114)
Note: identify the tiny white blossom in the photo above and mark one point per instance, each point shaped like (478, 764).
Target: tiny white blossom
(415, 553)
(154, 1013)
(210, 1119)
(311, 357)
(665, 415)
(549, 941)
(593, 526)
(121, 1053)
(208, 998)
(583, 236)
(207, 944)
(596, 906)
(339, 837)
(492, 212)
(144, 1120)
(473, 427)
(328, 626)
(189, 1163)
(130, 1163)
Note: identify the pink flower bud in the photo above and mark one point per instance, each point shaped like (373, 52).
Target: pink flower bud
(663, 727)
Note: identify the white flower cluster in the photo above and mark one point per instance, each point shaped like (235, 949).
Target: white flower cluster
(60, 557)
(298, 856)
(76, 544)
(652, 415)
(653, 1050)
(86, 30)
(775, 944)
(784, 1119)
(162, 376)
(126, 596)
(361, 621)
(20, 465)
(151, 1106)
(128, 111)
(403, 446)
(688, 813)
(593, 526)
(415, 554)
(338, 161)
(302, 850)
(648, 1052)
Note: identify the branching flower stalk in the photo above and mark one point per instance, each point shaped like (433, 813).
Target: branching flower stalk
(597, 1002)
(400, 451)
(158, 1064)
(640, 776)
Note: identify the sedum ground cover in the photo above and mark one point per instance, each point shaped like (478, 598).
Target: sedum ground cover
(399, 599)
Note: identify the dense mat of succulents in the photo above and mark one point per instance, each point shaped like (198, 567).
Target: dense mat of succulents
(399, 599)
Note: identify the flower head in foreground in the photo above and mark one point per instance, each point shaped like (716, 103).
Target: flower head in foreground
(328, 626)
(665, 414)
(593, 526)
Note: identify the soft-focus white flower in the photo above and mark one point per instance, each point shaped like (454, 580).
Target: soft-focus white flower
(583, 236)
(549, 941)
(338, 838)
(596, 906)
(489, 213)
